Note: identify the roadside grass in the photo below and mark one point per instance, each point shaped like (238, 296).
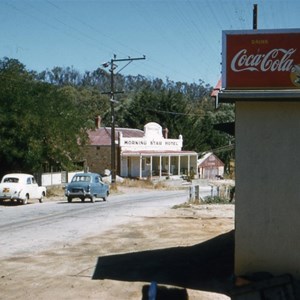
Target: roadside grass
(55, 191)
(144, 184)
(203, 201)
(216, 200)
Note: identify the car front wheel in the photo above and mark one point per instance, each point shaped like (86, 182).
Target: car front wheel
(25, 201)
(42, 198)
(69, 199)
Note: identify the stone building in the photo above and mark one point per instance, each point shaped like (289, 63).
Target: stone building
(97, 153)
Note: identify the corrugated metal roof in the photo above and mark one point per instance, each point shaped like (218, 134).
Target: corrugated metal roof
(206, 156)
(102, 136)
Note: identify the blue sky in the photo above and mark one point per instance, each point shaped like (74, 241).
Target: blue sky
(181, 39)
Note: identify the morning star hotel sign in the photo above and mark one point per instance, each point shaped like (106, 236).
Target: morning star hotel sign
(153, 144)
(261, 59)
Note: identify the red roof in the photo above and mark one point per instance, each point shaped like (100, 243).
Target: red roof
(102, 136)
(216, 89)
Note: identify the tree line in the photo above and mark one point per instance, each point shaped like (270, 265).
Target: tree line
(45, 115)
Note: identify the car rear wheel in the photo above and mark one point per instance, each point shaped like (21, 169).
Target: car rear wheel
(82, 199)
(105, 198)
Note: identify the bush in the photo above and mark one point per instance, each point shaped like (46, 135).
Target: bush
(215, 200)
(55, 191)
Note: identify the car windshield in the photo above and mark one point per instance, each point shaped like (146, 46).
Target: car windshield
(11, 179)
(81, 178)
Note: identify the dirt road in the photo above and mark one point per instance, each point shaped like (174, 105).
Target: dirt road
(188, 251)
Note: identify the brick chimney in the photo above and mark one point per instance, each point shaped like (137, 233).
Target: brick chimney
(165, 133)
(97, 122)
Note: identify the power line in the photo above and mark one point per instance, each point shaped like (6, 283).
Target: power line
(171, 112)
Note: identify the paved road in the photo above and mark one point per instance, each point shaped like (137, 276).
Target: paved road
(36, 227)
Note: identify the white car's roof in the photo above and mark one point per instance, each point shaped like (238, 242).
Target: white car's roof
(18, 175)
(21, 177)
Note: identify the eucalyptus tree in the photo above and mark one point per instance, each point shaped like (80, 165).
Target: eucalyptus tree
(40, 123)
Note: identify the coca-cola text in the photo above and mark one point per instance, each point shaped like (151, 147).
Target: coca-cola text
(274, 60)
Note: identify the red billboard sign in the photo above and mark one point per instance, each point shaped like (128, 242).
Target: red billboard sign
(261, 59)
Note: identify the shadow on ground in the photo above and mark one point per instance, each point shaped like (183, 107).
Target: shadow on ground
(13, 203)
(207, 266)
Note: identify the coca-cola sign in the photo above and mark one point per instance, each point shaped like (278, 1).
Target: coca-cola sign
(261, 59)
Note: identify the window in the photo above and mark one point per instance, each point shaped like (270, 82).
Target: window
(11, 179)
(81, 178)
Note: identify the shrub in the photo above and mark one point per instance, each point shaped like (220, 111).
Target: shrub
(215, 200)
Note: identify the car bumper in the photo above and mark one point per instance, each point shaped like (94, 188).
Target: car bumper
(78, 194)
(11, 197)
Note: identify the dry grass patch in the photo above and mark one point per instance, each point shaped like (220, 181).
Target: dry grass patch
(143, 184)
(55, 191)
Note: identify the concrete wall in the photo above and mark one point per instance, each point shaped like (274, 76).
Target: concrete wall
(57, 178)
(267, 187)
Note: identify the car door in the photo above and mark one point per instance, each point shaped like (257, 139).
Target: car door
(35, 189)
(30, 188)
(99, 186)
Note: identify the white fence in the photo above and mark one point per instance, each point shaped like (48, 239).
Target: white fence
(57, 178)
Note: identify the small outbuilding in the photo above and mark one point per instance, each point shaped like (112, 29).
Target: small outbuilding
(210, 166)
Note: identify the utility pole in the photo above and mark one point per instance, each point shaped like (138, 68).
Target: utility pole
(112, 92)
(255, 16)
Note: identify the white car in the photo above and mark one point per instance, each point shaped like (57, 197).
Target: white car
(21, 187)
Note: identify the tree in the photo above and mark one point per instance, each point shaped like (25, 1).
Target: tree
(41, 123)
(165, 107)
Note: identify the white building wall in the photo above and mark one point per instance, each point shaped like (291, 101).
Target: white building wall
(152, 140)
(267, 187)
(135, 166)
(57, 178)
(162, 152)
(221, 171)
(124, 167)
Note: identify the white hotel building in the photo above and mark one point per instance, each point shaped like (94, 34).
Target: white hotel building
(155, 155)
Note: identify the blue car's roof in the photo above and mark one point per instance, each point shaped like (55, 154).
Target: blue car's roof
(87, 174)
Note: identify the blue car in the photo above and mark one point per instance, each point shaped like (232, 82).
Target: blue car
(87, 185)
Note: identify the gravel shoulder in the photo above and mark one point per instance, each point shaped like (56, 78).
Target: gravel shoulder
(187, 250)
